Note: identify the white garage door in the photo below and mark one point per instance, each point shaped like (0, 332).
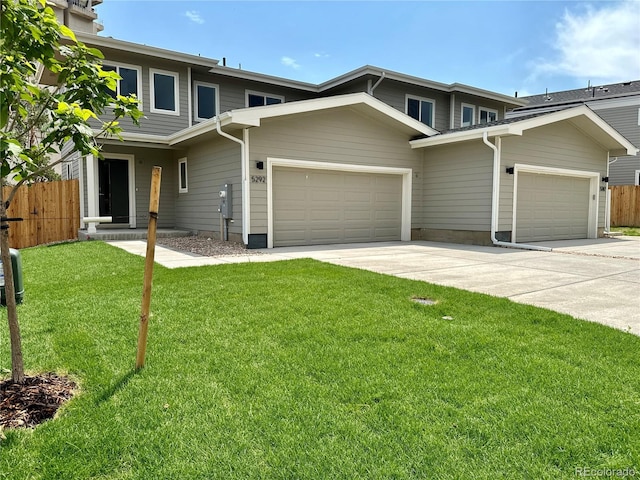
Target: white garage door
(552, 207)
(312, 207)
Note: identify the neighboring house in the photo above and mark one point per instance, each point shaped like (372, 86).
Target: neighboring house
(359, 158)
(618, 104)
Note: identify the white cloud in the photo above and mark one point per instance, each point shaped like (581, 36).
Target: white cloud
(321, 55)
(597, 44)
(289, 62)
(194, 16)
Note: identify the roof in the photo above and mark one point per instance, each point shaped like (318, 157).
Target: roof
(581, 95)
(582, 117)
(254, 116)
(109, 42)
(401, 77)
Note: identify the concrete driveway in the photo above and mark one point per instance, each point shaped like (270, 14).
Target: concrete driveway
(597, 280)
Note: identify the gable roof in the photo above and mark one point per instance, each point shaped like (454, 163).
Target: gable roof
(581, 117)
(253, 116)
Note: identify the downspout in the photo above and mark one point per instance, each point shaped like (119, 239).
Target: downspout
(243, 161)
(607, 211)
(495, 198)
(371, 89)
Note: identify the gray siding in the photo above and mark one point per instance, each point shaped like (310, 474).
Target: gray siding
(232, 90)
(625, 120)
(457, 187)
(345, 137)
(154, 123)
(210, 165)
(478, 102)
(560, 145)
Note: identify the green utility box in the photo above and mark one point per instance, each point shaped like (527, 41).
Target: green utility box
(18, 283)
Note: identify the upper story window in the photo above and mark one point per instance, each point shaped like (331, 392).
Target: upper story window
(467, 115)
(257, 99)
(422, 109)
(130, 82)
(164, 92)
(487, 115)
(205, 101)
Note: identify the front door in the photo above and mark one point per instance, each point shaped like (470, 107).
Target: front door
(113, 180)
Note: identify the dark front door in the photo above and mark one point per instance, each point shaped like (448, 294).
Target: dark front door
(113, 178)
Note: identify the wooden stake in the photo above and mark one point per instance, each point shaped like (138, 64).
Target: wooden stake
(154, 201)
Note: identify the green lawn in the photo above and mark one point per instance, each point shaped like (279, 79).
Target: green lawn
(629, 231)
(307, 370)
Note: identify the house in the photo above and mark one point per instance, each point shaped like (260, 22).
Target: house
(372, 155)
(618, 104)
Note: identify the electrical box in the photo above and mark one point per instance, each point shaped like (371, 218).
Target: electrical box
(226, 206)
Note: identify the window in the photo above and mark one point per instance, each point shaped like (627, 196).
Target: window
(206, 101)
(468, 115)
(257, 99)
(183, 186)
(130, 82)
(487, 115)
(422, 109)
(637, 177)
(164, 92)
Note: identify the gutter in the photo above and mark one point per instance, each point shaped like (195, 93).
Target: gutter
(244, 169)
(495, 198)
(371, 89)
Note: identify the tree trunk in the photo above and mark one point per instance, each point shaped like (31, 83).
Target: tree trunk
(17, 366)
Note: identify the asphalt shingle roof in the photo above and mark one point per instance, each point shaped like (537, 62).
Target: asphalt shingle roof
(580, 95)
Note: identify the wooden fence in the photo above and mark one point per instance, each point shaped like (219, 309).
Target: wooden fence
(50, 213)
(625, 206)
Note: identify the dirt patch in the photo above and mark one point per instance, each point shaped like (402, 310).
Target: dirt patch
(36, 400)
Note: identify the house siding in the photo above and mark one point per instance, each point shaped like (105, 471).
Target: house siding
(457, 187)
(478, 102)
(560, 145)
(625, 120)
(344, 137)
(210, 165)
(153, 123)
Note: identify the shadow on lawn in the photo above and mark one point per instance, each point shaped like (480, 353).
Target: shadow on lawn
(115, 388)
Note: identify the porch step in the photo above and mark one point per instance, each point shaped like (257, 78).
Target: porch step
(130, 234)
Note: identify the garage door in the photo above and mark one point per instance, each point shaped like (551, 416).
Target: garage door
(552, 207)
(313, 207)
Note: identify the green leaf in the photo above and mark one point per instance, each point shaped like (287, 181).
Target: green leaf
(67, 32)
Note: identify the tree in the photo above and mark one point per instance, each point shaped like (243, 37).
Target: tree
(33, 42)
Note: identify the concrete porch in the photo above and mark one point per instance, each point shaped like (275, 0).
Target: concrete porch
(130, 234)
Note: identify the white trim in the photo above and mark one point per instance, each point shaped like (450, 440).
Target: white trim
(190, 97)
(182, 189)
(473, 114)
(132, 185)
(176, 88)
(594, 177)
(246, 189)
(216, 99)
(408, 97)
(81, 188)
(92, 191)
(637, 178)
(452, 112)
(137, 68)
(261, 94)
(488, 110)
(405, 229)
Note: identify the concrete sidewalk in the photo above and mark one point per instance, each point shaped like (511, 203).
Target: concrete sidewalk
(597, 280)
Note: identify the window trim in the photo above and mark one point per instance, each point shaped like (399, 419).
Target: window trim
(421, 99)
(261, 94)
(216, 87)
(137, 68)
(485, 109)
(176, 86)
(182, 189)
(473, 114)
(637, 179)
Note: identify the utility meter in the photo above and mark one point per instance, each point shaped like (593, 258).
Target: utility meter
(225, 208)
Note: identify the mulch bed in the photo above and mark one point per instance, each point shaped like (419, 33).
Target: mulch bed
(33, 402)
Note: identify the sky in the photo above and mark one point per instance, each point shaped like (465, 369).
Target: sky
(501, 46)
